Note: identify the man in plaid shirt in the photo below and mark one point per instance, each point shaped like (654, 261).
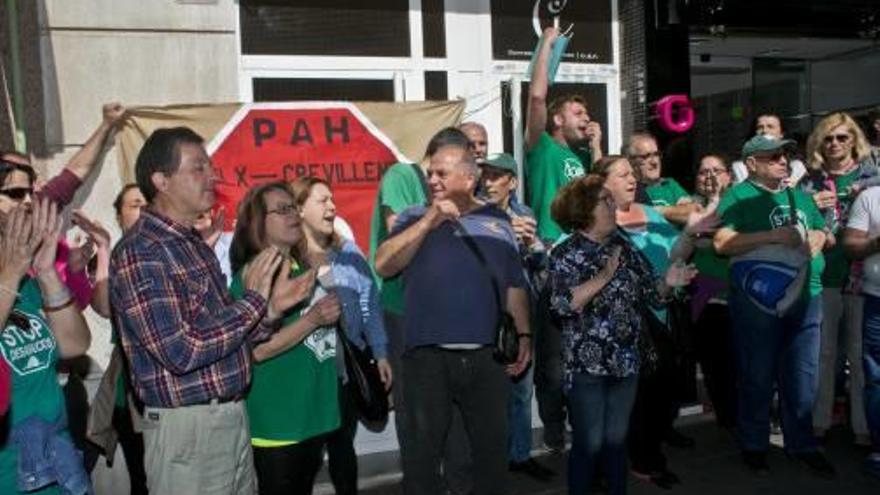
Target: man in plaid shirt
(188, 343)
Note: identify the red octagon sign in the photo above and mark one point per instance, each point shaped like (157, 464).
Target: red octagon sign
(334, 141)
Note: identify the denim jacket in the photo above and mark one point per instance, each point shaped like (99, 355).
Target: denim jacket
(46, 456)
(359, 298)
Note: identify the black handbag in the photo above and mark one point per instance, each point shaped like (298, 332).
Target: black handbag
(506, 347)
(364, 381)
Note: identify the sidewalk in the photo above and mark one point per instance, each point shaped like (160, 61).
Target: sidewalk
(713, 468)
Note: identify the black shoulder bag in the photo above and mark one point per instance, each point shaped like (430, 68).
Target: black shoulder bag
(364, 381)
(506, 347)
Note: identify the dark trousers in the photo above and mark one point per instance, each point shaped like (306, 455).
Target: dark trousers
(291, 469)
(715, 353)
(132, 444)
(437, 381)
(655, 409)
(396, 345)
(548, 375)
(341, 457)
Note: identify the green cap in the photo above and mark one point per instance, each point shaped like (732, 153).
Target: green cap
(501, 161)
(763, 143)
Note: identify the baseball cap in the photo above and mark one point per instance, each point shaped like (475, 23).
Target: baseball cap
(763, 143)
(501, 161)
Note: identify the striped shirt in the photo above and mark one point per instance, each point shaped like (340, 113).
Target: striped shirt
(186, 340)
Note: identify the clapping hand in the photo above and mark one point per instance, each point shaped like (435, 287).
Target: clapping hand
(18, 245)
(705, 220)
(81, 251)
(289, 291)
(680, 274)
(47, 227)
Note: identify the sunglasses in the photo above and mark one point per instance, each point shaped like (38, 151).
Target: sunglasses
(840, 138)
(17, 193)
(775, 157)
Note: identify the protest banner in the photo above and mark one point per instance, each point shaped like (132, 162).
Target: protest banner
(350, 145)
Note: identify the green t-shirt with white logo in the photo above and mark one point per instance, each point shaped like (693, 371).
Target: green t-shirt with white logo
(294, 395)
(748, 208)
(549, 167)
(401, 188)
(666, 192)
(836, 262)
(31, 351)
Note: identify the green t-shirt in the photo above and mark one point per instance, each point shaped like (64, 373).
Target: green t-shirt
(836, 262)
(666, 192)
(294, 395)
(549, 167)
(747, 208)
(31, 354)
(400, 189)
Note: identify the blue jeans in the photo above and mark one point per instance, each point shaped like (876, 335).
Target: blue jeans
(781, 350)
(599, 408)
(519, 418)
(871, 362)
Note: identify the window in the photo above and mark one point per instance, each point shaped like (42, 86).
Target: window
(271, 89)
(378, 28)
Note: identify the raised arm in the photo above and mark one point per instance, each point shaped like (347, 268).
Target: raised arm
(83, 162)
(536, 112)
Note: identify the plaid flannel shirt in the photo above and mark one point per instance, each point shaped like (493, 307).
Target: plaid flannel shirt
(186, 340)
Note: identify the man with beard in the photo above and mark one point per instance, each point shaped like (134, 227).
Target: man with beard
(561, 141)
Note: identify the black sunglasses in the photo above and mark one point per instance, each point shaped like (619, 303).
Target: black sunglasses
(17, 193)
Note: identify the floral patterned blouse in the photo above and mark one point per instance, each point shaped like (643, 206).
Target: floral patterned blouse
(601, 338)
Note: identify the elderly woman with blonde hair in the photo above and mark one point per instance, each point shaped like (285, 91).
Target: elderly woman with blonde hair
(837, 152)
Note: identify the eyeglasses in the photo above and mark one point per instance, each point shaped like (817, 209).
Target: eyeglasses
(775, 157)
(652, 154)
(711, 171)
(283, 210)
(840, 138)
(17, 193)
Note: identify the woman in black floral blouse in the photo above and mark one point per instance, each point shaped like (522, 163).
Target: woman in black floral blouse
(599, 286)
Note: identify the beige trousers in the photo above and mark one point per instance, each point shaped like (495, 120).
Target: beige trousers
(201, 449)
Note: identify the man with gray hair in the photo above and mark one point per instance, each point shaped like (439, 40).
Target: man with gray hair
(665, 194)
(478, 137)
(452, 301)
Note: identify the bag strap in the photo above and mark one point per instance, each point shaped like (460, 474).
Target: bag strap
(417, 169)
(472, 245)
(793, 216)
